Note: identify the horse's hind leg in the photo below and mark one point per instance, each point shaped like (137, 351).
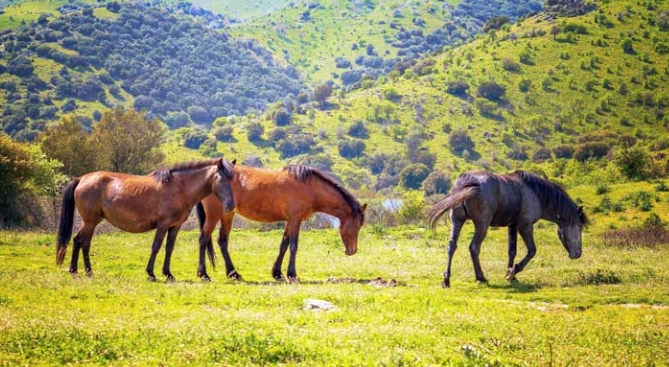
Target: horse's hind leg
(169, 247)
(86, 237)
(456, 227)
(82, 241)
(527, 234)
(512, 250)
(481, 230)
(155, 247)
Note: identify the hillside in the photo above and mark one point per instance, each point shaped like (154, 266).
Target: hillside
(558, 95)
(147, 58)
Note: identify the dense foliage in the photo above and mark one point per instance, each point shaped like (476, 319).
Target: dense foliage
(169, 64)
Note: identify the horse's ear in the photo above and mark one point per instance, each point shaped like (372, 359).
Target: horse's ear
(234, 161)
(363, 207)
(580, 209)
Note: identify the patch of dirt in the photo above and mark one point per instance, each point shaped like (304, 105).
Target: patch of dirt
(378, 282)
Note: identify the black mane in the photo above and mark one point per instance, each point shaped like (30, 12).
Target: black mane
(164, 175)
(553, 197)
(303, 173)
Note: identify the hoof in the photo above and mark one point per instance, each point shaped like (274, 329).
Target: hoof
(89, 273)
(234, 275)
(152, 278)
(206, 278)
(446, 283)
(482, 280)
(170, 278)
(294, 280)
(511, 274)
(280, 278)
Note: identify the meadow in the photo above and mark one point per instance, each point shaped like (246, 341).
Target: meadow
(608, 308)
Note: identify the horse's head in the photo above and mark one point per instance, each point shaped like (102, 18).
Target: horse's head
(350, 227)
(222, 184)
(570, 234)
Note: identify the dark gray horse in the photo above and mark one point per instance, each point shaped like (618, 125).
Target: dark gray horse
(515, 200)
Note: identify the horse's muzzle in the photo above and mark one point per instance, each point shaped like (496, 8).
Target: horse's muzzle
(351, 252)
(230, 206)
(574, 255)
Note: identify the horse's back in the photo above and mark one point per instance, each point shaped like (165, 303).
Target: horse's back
(126, 201)
(502, 201)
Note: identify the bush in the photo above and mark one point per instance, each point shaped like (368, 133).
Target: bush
(194, 137)
(351, 148)
(652, 233)
(413, 175)
(563, 151)
(224, 133)
(459, 141)
(254, 131)
(491, 91)
(358, 129)
(592, 150)
(437, 182)
(457, 88)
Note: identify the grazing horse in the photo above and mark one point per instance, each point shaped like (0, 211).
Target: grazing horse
(161, 200)
(515, 200)
(292, 195)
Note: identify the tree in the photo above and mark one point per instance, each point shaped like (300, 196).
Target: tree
(460, 141)
(413, 175)
(69, 143)
(491, 90)
(254, 131)
(632, 162)
(128, 141)
(15, 171)
(436, 183)
(322, 93)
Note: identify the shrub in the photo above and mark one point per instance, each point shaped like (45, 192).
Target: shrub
(194, 137)
(652, 233)
(457, 88)
(591, 150)
(254, 131)
(490, 90)
(459, 141)
(563, 151)
(413, 175)
(224, 133)
(437, 182)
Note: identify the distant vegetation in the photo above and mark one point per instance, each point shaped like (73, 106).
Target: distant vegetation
(168, 64)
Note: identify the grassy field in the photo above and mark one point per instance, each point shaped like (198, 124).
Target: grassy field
(609, 308)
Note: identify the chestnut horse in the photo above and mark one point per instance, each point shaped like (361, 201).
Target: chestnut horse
(515, 200)
(161, 200)
(292, 195)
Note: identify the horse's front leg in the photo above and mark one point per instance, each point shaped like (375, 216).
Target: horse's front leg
(292, 273)
(169, 247)
(223, 241)
(527, 234)
(155, 247)
(276, 269)
(512, 250)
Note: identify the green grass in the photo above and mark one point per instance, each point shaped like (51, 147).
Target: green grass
(608, 308)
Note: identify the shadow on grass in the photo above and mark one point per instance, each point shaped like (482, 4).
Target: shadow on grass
(517, 287)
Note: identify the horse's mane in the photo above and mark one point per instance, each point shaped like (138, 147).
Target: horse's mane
(553, 197)
(303, 173)
(164, 175)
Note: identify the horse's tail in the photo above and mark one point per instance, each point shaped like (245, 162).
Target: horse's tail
(66, 220)
(451, 201)
(201, 218)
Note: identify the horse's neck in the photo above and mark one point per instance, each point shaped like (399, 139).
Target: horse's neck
(330, 201)
(196, 184)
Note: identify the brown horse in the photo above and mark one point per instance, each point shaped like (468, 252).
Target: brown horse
(292, 195)
(516, 200)
(161, 200)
